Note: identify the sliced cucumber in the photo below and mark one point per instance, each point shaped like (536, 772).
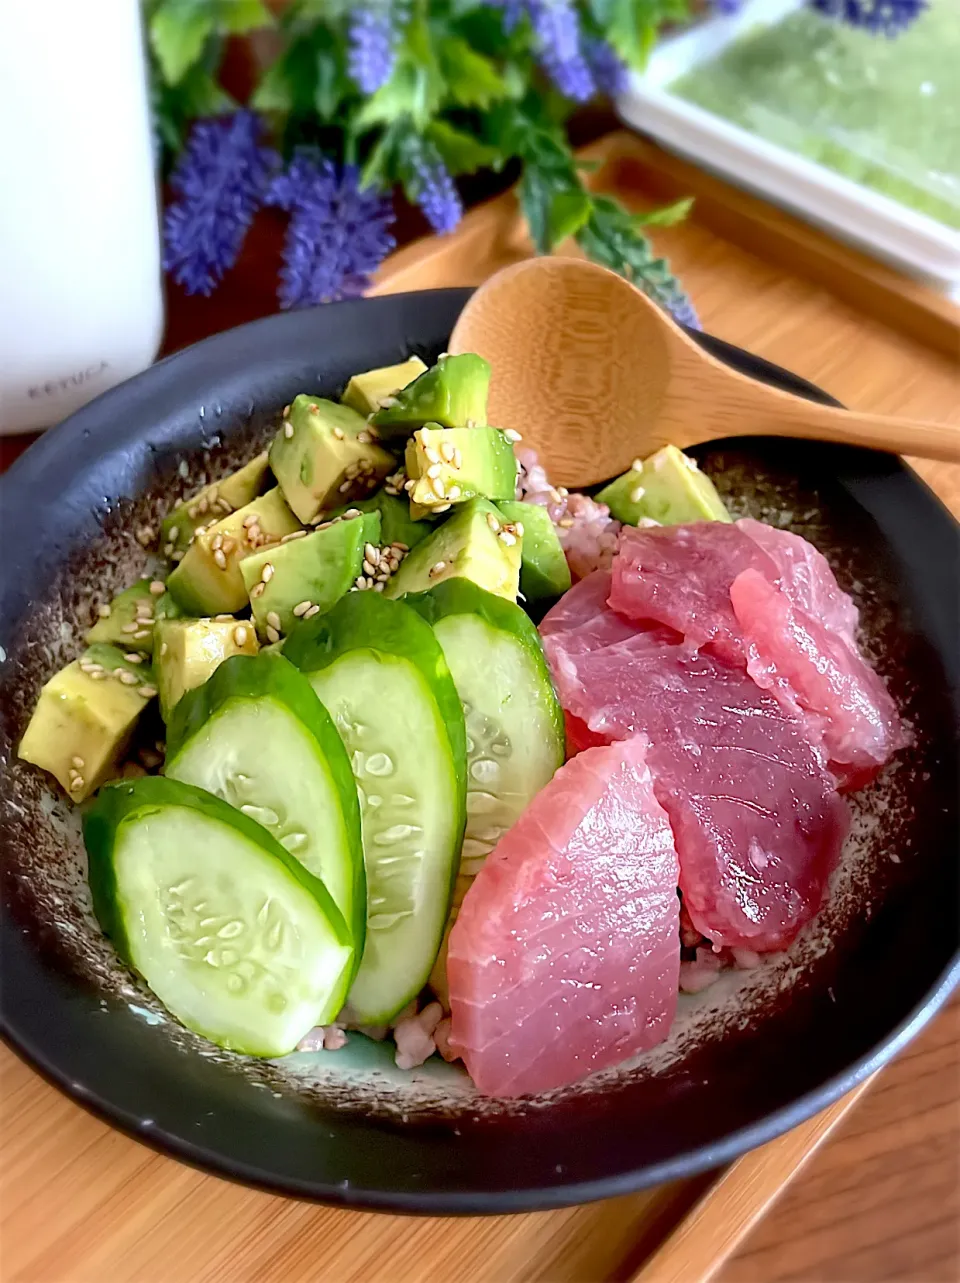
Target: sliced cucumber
(379, 670)
(256, 735)
(515, 736)
(232, 934)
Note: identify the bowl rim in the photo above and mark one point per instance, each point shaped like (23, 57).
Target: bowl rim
(687, 1163)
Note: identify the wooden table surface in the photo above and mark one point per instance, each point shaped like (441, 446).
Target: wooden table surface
(879, 1201)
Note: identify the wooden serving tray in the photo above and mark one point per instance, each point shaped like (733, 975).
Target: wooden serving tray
(81, 1203)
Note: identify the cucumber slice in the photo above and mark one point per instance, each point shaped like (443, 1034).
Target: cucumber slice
(256, 735)
(379, 670)
(515, 735)
(233, 935)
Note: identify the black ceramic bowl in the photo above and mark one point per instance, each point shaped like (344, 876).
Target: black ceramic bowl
(746, 1060)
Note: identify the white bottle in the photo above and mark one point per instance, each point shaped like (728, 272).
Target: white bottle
(81, 304)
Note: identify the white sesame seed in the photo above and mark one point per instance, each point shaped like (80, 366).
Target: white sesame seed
(267, 573)
(240, 635)
(512, 435)
(636, 494)
(220, 558)
(288, 431)
(103, 612)
(273, 619)
(272, 634)
(133, 658)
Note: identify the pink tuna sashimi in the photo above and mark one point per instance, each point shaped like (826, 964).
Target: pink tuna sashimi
(757, 823)
(680, 576)
(817, 675)
(804, 574)
(565, 958)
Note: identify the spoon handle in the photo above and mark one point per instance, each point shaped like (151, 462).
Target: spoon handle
(760, 410)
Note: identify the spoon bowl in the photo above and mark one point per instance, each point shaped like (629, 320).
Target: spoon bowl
(593, 374)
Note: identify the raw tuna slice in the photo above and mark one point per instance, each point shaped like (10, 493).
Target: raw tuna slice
(680, 576)
(817, 675)
(566, 955)
(805, 576)
(755, 817)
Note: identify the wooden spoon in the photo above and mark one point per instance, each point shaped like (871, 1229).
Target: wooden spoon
(593, 374)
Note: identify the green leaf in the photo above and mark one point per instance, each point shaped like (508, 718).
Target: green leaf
(273, 92)
(398, 97)
(236, 17)
(178, 33)
(462, 153)
(536, 196)
(200, 94)
(569, 210)
(329, 87)
(668, 215)
(472, 80)
(378, 168)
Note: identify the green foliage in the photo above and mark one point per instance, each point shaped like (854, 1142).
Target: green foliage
(463, 89)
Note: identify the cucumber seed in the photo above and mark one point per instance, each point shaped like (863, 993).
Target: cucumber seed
(437, 568)
(273, 619)
(157, 587)
(288, 431)
(133, 658)
(636, 494)
(301, 608)
(272, 634)
(103, 612)
(220, 558)
(240, 635)
(637, 465)
(512, 435)
(267, 573)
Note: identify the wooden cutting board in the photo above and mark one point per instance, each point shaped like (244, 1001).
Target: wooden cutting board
(80, 1203)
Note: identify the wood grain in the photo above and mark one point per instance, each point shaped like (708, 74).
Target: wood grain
(80, 1203)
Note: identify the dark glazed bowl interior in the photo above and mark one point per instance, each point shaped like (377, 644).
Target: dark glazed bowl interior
(741, 1068)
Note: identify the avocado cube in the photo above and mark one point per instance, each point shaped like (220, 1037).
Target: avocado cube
(309, 573)
(189, 650)
(325, 454)
(544, 572)
(85, 717)
(208, 579)
(397, 522)
(212, 503)
(668, 488)
(129, 619)
(472, 544)
(366, 393)
(452, 393)
(452, 465)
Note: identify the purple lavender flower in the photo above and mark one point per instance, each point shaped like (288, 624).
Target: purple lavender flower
(727, 7)
(430, 186)
(220, 182)
(881, 17)
(556, 29)
(371, 45)
(609, 71)
(337, 235)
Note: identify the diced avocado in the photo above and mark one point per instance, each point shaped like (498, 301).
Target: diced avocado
(208, 580)
(544, 572)
(453, 393)
(85, 716)
(397, 525)
(472, 544)
(212, 503)
(668, 488)
(325, 454)
(128, 620)
(310, 574)
(189, 650)
(452, 465)
(368, 392)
